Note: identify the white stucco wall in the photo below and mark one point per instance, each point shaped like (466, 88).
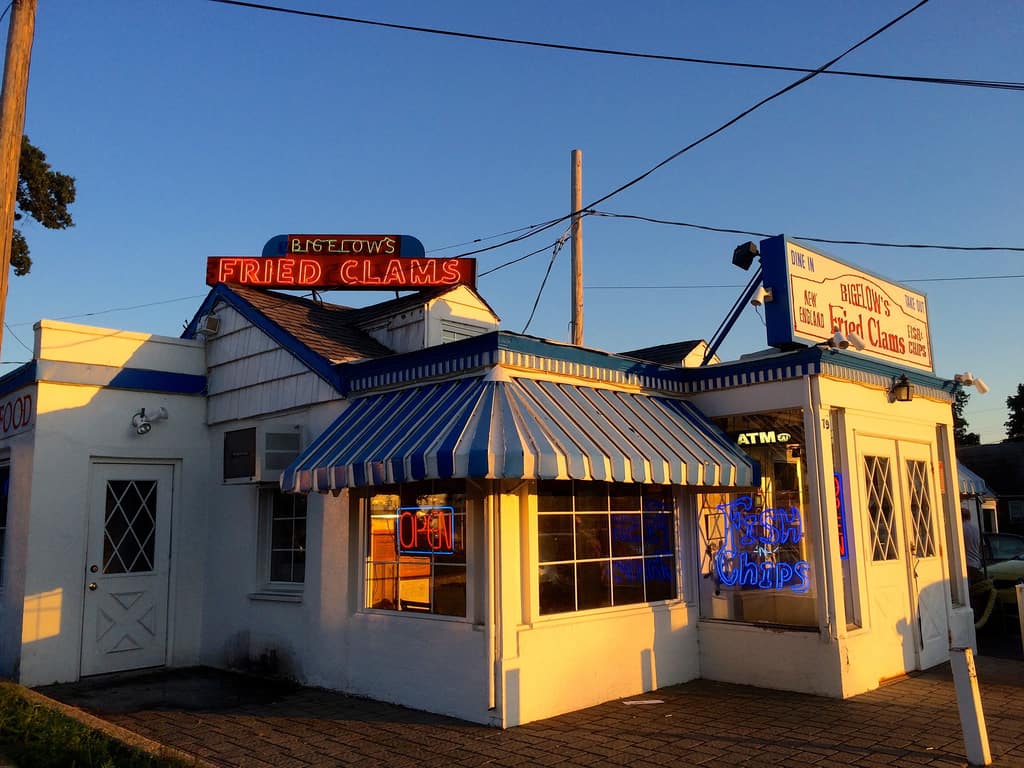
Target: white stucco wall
(75, 424)
(17, 450)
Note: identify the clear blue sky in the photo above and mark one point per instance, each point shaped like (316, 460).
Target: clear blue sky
(196, 129)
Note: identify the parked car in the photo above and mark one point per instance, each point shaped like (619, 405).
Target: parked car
(997, 547)
(1005, 576)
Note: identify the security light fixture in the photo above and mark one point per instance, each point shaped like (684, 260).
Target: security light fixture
(143, 423)
(743, 255)
(763, 296)
(968, 379)
(839, 341)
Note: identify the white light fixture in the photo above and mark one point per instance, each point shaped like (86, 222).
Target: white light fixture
(968, 379)
(762, 296)
(839, 341)
(143, 423)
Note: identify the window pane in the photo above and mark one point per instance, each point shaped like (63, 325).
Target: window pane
(591, 496)
(555, 533)
(554, 496)
(450, 590)
(592, 537)
(659, 533)
(660, 574)
(382, 586)
(658, 498)
(557, 588)
(627, 535)
(624, 496)
(414, 583)
(594, 586)
(628, 580)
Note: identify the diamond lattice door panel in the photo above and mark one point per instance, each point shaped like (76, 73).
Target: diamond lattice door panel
(127, 573)
(919, 497)
(881, 512)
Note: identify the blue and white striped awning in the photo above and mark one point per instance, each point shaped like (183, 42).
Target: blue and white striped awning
(972, 484)
(500, 427)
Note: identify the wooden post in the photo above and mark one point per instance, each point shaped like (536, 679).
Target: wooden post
(12, 127)
(577, 248)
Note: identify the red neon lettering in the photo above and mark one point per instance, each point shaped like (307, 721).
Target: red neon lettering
(286, 271)
(421, 271)
(309, 272)
(250, 271)
(368, 276)
(444, 531)
(227, 268)
(407, 525)
(350, 271)
(450, 272)
(393, 273)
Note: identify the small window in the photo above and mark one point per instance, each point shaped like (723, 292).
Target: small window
(282, 539)
(5, 487)
(416, 548)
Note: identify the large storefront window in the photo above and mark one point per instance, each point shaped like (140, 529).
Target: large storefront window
(604, 544)
(757, 547)
(416, 548)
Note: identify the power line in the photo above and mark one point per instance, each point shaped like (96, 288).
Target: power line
(728, 124)
(727, 230)
(663, 286)
(488, 237)
(956, 81)
(120, 309)
(551, 263)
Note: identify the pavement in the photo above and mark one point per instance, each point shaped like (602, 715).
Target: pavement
(222, 719)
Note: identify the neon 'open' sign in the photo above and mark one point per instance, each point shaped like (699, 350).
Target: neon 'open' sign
(425, 530)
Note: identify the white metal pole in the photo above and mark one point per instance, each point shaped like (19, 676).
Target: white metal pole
(968, 699)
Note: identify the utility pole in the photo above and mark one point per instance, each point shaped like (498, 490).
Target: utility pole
(12, 127)
(577, 248)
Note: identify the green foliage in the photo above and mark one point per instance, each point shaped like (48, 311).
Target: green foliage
(43, 194)
(960, 434)
(32, 735)
(1015, 424)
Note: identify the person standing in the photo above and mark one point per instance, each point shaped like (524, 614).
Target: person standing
(972, 547)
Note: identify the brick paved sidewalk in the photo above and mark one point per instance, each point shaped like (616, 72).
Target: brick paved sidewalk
(910, 722)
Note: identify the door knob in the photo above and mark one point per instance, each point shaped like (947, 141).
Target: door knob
(92, 586)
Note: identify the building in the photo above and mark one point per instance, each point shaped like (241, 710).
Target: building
(404, 502)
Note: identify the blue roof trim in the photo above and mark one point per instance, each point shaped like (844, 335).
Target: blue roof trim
(810, 360)
(18, 378)
(318, 364)
(159, 381)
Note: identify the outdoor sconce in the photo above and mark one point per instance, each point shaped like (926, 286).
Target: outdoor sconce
(901, 390)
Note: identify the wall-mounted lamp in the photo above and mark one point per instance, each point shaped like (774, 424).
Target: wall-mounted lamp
(143, 422)
(839, 341)
(902, 391)
(968, 379)
(208, 325)
(763, 296)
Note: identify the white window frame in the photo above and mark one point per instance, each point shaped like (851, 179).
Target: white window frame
(5, 513)
(269, 589)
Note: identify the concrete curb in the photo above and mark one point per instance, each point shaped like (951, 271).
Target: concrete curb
(116, 732)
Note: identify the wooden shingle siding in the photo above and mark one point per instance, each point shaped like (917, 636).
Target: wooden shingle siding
(249, 374)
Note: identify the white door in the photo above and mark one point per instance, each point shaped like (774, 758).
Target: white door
(893, 626)
(124, 624)
(929, 587)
